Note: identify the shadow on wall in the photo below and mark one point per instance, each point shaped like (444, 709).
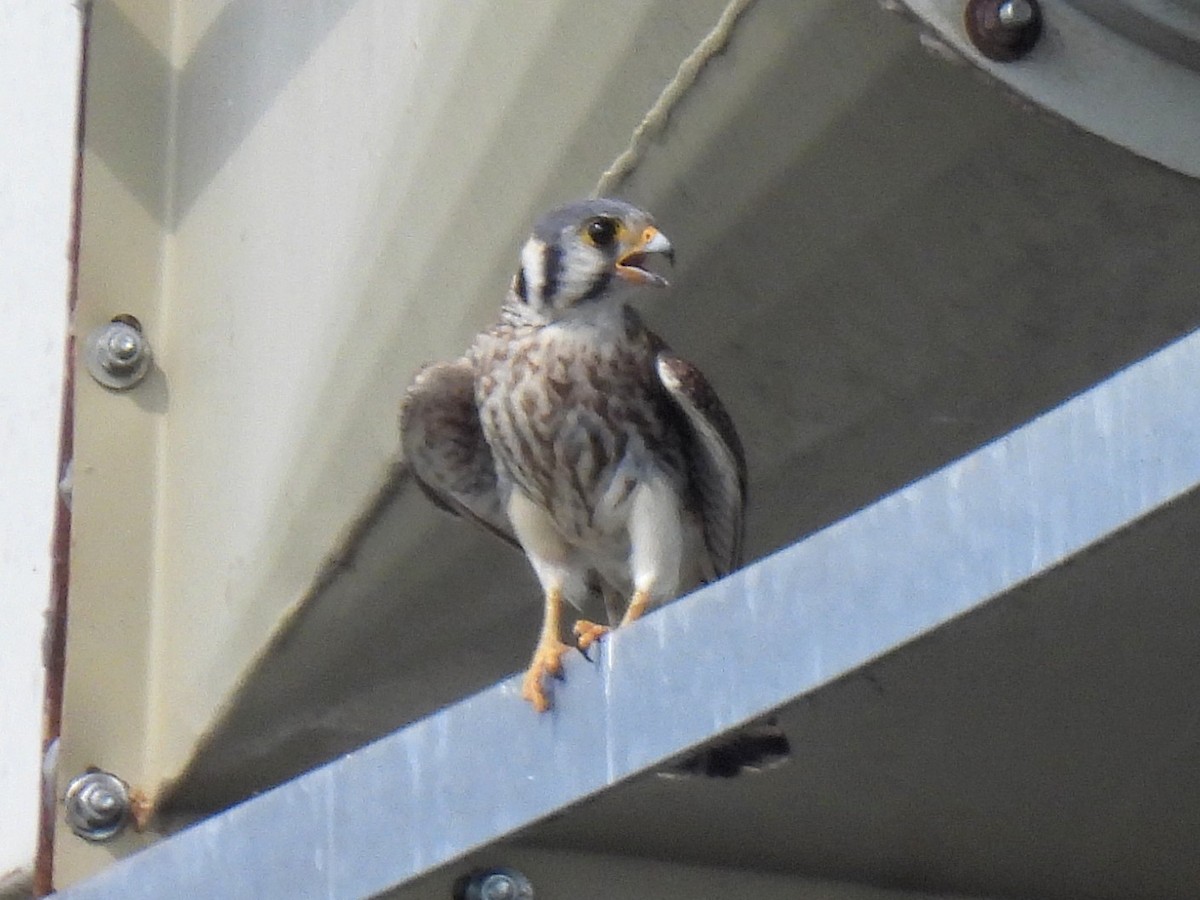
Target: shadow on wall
(223, 89)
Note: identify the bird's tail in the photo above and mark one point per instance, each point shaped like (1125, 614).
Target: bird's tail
(753, 749)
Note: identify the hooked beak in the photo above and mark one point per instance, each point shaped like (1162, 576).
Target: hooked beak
(630, 266)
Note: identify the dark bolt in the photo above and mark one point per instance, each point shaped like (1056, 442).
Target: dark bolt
(1003, 30)
(493, 884)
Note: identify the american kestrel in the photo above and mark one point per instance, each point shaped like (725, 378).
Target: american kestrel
(573, 431)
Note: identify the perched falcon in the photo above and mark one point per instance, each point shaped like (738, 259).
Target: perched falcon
(573, 431)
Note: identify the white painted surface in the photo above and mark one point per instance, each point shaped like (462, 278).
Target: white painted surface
(39, 71)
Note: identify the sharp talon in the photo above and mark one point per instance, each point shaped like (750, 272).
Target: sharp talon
(547, 662)
(583, 652)
(588, 633)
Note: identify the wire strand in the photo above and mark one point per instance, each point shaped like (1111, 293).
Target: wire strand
(655, 121)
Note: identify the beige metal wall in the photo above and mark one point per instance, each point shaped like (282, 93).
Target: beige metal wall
(300, 203)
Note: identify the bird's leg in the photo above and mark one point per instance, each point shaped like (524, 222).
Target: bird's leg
(547, 657)
(656, 547)
(551, 559)
(588, 633)
(637, 606)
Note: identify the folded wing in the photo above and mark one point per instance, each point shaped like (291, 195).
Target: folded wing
(716, 461)
(444, 446)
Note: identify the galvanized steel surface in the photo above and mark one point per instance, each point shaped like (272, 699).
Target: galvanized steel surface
(482, 769)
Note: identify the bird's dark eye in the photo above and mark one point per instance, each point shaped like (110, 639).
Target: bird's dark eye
(602, 231)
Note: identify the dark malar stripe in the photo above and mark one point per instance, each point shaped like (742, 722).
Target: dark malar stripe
(599, 286)
(553, 265)
(519, 286)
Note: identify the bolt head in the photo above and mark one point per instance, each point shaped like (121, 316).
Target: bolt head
(97, 805)
(497, 887)
(124, 345)
(117, 354)
(1015, 13)
(502, 883)
(1003, 30)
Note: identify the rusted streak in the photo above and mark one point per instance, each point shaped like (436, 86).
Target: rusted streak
(141, 809)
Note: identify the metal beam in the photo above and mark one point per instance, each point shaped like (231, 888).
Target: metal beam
(487, 766)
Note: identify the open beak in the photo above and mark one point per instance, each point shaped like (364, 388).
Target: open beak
(630, 266)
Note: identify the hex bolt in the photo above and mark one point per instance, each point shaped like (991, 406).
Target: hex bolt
(123, 349)
(1003, 30)
(500, 883)
(97, 805)
(117, 354)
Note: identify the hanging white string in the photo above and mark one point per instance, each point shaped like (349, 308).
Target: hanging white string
(655, 121)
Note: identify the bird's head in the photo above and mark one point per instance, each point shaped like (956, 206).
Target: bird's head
(584, 252)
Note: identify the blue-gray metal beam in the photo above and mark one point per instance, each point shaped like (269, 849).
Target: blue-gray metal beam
(488, 766)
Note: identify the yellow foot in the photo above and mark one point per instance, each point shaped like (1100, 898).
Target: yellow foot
(587, 633)
(546, 663)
